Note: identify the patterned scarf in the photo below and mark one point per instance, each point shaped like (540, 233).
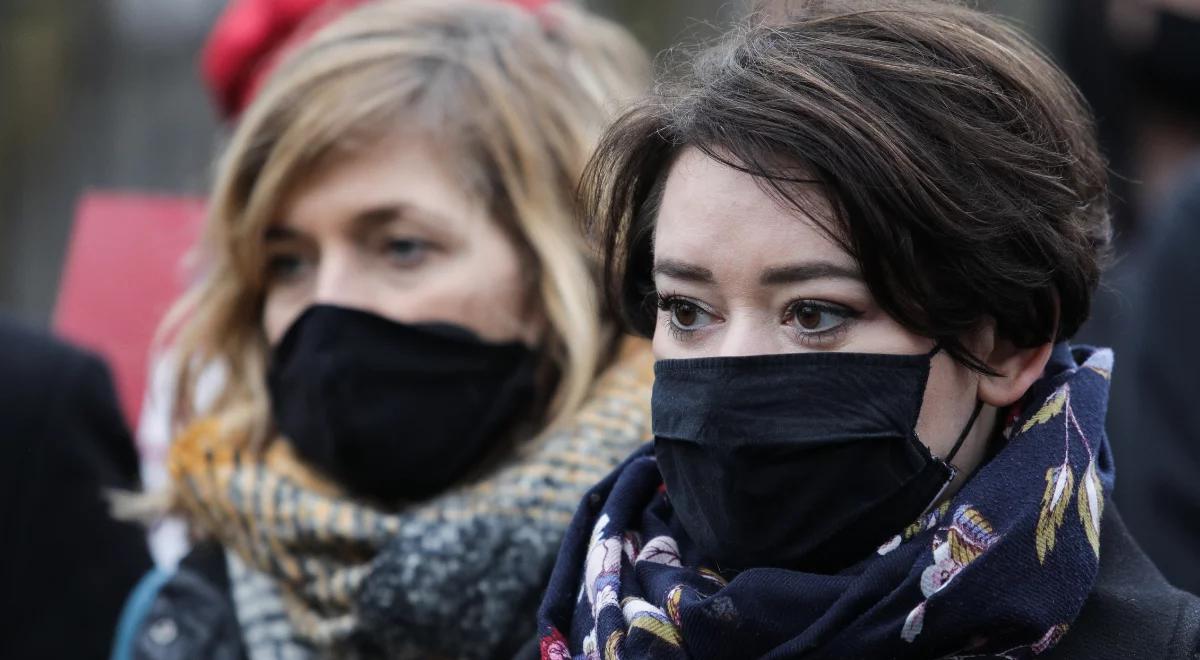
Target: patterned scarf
(456, 576)
(1001, 570)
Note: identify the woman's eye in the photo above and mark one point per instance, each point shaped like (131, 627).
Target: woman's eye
(407, 251)
(285, 267)
(812, 318)
(683, 315)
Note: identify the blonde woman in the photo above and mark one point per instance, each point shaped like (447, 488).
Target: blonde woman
(418, 383)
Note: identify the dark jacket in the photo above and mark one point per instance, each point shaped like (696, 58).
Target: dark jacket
(184, 615)
(1132, 612)
(1155, 421)
(65, 564)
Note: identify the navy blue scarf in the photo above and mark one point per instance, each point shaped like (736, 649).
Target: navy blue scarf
(1000, 570)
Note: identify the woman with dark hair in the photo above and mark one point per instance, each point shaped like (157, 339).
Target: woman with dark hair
(861, 234)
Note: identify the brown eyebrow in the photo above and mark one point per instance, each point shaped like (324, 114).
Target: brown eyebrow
(789, 274)
(683, 271)
(280, 233)
(368, 219)
(380, 215)
(804, 272)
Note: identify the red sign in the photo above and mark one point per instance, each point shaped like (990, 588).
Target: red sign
(124, 268)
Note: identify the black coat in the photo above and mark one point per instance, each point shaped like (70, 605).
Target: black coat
(1132, 613)
(66, 565)
(1154, 420)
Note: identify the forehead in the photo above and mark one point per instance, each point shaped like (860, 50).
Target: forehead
(715, 215)
(397, 170)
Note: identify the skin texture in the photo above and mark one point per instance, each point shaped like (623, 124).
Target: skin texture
(389, 230)
(738, 273)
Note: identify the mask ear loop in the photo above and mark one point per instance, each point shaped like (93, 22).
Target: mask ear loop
(965, 432)
(962, 437)
(949, 457)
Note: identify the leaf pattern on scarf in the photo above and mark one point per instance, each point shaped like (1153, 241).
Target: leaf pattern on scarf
(660, 550)
(1091, 506)
(672, 604)
(713, 576)
(1060, 481)
(913, 623)
(631, 545)
(613, 646)
(889, 545)
(604, 561)
(1100, 362)
(969, 535)
(660, 629)
(925, 522)
(554, 646)
(603, 566)
(965, 539)
(1049, 410)
(1051, 638)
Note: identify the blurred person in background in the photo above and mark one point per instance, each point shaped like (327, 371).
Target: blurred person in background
(66, 565)
(861, 235)
(416, 382)
(1138, 63)
(1160, 482)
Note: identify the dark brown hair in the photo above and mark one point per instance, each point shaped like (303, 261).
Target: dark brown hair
(961, 164)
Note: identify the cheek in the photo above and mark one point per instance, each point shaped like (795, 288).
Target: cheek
(662, 344)
(278, 314)
(949, 397)
(483, 288)
(495, 303)
(879, 333)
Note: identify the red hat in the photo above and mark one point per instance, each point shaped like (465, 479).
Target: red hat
(530, 5)
(251, 35)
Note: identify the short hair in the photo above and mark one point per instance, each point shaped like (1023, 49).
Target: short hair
(960, 163)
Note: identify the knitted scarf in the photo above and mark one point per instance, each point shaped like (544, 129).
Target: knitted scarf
(457, 576)
(1000, 570)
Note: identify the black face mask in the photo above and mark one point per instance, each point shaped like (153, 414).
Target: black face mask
(391, 410)
(806, 461)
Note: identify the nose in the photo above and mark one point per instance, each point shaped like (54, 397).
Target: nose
(342, 281)
(744, 336)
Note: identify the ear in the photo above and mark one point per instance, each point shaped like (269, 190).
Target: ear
(1016, 368)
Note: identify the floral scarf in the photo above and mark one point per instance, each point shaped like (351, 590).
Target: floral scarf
(1000, 570)
(455, 576)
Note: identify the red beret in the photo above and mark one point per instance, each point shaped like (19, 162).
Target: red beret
(251, 35)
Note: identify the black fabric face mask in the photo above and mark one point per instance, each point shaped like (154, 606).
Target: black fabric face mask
(805, 461)
(391, 410)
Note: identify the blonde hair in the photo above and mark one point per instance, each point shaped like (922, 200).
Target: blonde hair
(518, 98)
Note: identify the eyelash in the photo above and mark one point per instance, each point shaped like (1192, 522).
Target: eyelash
(829, 336)
(416, 250)
(284, 267)
(667, 300)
